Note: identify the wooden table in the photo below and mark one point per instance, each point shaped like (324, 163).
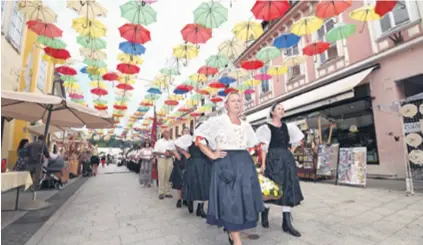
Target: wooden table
(11, 180)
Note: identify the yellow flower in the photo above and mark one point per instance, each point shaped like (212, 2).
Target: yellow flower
(266, 192)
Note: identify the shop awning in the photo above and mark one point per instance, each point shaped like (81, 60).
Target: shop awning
(328, 94)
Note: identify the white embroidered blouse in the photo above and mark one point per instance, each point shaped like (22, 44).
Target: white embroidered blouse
(264, 135)
(222, 134)
(184, 142)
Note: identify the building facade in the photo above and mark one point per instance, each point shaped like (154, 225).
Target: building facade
(23, 69)
(357, 83)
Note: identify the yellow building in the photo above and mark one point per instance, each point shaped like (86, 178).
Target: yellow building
(23, 69)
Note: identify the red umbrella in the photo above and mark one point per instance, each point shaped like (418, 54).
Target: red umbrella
(217, 85)
(202, 92)
(182, 109)
(249, 91)
(195, 114)
(269, 10)
(207, 70)
(384, 7)
(128, 68)
(329, 9)
(60, 54)
(184, 87)
(125, 86)
(216, 99)
(171, 102)
(110, 76)
(231, 90)
(101, 107)
(316, 48)
(99, 91)
(120, 107)
(146, 103)
(66, 70)
(252, 64)
(135, 33)
(195, 33)
(44, 29)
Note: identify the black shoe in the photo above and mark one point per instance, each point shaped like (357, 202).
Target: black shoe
(179, 204)
(168, 195)
(161, 196)
(265, 218)
(287, 225)
(185, 203)
(190, 207)
(200, 211)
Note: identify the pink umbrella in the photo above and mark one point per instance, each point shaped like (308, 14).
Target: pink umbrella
(76, 96)
(147, 1)
(249, 91)
(262, 76)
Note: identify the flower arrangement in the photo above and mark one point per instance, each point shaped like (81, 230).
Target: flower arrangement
(269, 189)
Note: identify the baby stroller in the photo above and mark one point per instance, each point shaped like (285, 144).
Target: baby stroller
(87, 171)
(48, 174)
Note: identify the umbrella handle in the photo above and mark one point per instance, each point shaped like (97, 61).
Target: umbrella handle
(143, 3)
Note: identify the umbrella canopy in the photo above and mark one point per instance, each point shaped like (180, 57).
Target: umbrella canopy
(248, 30)
(231, 48)
(138, 12)
(39, 129)
(286, 40)
(35, 10)
(329, 9)
(196, 34)
(34, 107)
(55, 43)
(135, 33)
(87, 8)
(211, 14)
(44, 29)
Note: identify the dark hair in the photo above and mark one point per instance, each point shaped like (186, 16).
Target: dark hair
(41, 137)
(22, 143)
(272, 109)
(147, 142)
(54, 149)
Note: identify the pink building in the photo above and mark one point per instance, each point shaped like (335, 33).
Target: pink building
(357, 82)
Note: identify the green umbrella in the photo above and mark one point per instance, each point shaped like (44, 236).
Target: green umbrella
(122, 98)
(94, 77)
(342, 31)
(91, 43)
(217, 61)
(190, 83)
(169, 71)
(242, 87)
(67, 78)
(94, 62)
(211, 14)
(138, 13)
(196, 97)
(267, 54)
(152, 97)
(209, 105)
(55, 43)
(100, 101)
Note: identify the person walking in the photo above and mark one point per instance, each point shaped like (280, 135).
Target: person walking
(164, 149)
(235, 198)
(103, 161)
(146, 156)
(278, 164)
(38, 151)
(95, 161)
(23, 156)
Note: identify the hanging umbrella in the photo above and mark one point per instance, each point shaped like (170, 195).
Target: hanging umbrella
(93, 54)
(61, 54)
(184, 87)
(101, 107)
(97, 84)
(67, 78)
(93, 70)
(340, 32)
(76, 96)
(185, 51)
(207, 70)
(217, 61)
(199, 78)
(55, 43)
(231, 48)
(294, 60)
(87, 8)
(329, 9)
(316, 48)
(100, 101)
(71, 85)
(169, 72)
(171, 102)
(248, 30)
(111, 76)
(89, 27)
(154, 91)
(66, 70)
(84, 70)
(306, 26)
(130, 59)
(138, 13)
(267, 54)
(239, 73)
(384, 7)
(135, 33)
(132, 48)
(249, 91)
(211, 14)
(221, 93)
(124, 86)
(216, 99)
(217, 85)
(286, 40)
(120, 107)
(91, 43)
(269, 10)
(262, 76)
(227, 80)
(99, 91)
(35, 10)
(177, 91)
(252, 64)
(243, 86)
(252, 82)
(44, 29)
(196, 34)
(364, 14)
(95, 62)
(231, 90)
(277, 71)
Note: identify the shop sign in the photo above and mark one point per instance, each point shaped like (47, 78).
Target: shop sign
(412, 127)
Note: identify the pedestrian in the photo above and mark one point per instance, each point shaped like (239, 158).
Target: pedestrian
(103, 161)
(38, 153)
(197, 178)
(278, 164)
(176, 177)
(23, 156)
(109, 159)
(95, 161)
(164, 149)
(146, 156)
(235, 198)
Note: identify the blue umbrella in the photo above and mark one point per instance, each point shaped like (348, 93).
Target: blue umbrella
(154, 91)
(142, 109)
(221, 93)
(84, 70)
(131, 48)
(227, 80)
(177, 91)
(286, 40)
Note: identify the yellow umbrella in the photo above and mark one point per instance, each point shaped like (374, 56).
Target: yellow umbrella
(120, 92)
(130, 59)
(231, 48)
(363, 14)
(35, 10)
(71, 85)
(200, 78)
(239, 73)
(277, 70)
(50, 59)
(248, 30)
(89, 27)
(252, 82)
(211, 91)
(96, 71)
(306, 25)
(87, 8)
(97, 84)
(294, 60)
(93, 54)
(176, 97)
(185, 51)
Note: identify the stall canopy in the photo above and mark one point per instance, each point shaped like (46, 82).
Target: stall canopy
(327, 94)
(39, 129)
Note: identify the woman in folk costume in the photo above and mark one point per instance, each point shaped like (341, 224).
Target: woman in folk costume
(235, 199)
(197, 178)
(279, 141)
(176, 177)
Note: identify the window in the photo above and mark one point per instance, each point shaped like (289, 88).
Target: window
(293, 71)
(265, 87)
(28, 73)
(16, 27)
(42, 74)
(332, 52)
(397, 16)
(248, 97)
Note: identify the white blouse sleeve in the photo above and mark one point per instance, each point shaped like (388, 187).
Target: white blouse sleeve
(184, 142)
(264, 135)
(251, 136)
(208, 130)
(295, 133)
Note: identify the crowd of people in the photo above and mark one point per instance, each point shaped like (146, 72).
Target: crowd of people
(214, 164)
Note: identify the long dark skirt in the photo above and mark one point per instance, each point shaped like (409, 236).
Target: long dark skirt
(235, 195)
(176, 177)
(197, 178)
(281, 168)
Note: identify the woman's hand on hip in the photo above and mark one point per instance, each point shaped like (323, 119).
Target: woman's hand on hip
(218, 154)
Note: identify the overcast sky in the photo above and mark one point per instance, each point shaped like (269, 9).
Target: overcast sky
(172, 16)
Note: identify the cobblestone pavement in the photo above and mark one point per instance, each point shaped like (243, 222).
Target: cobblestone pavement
(113, 209)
